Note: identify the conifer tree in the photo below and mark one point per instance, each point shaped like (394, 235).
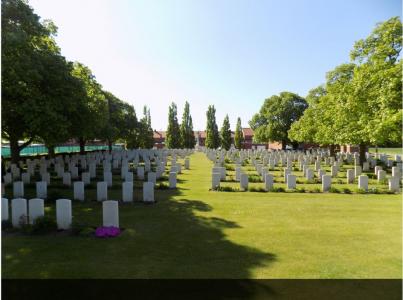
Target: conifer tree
(173, 138)
(212, 134)
(225, 134)
(238, 139)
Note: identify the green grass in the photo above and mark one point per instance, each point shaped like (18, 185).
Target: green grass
(196, 233)
(389, 151)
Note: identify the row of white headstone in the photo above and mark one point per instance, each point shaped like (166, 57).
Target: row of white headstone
(23, 214)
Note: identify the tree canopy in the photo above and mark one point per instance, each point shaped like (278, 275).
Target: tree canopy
(212, 134)
(276, 116)
(225, 134)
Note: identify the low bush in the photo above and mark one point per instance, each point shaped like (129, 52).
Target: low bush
(44, 224)
(162, 186)
(361, 191)
(277, 190)
(346, 191)
(81, 228)
(6, 224)
(227, 189)
(334, 190)
(257, 189)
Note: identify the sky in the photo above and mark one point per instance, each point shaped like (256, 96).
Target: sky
(229, 53)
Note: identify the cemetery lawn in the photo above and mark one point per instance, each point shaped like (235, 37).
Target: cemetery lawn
(389, 151)
(196, 233)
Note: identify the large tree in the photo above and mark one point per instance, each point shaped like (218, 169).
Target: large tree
(276, 117)
(186, 129)
(146, 132)
(238, 138)
(225, 134)
(95, 107)
(362, 105)
(39, 96)
(173, 136)
(212, 134)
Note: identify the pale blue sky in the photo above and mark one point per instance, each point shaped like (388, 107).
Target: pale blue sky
(232, 54)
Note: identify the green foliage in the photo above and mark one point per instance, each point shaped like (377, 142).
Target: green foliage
(225, 134)
(173, 138)
(256, 189)
(276, 116)
(227, 189)
(81, 228)
(186, 129)
(44, 224)
(346, 191)
(145, 138)
(6, 224)
(238, 138)
(362, 102)
(334, 190)
(212, 134)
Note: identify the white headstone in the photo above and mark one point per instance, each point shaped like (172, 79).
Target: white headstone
(365, 166)
(63, 213)
(377, 168)
(110, 213)
(129, 177)
(67, 179)
(41, 189)
(102, 191)
(394, 184)
(19, 212)
(396, 172)
(148, 192)
(127, 191)
(4, 209)
(187, 164)
(357, 171)
(172, 180)
(152, 177)
(326, 182)
(108, 178)
(140, 173)
(93, 170)
(74, 172)
(268, 181)
(26, 178)
(291, 181)
(363, 182)
(309, 174)
(216, 178)
(18, 189)
(333, 171)
(79, 191)
(350, 176)
(86, 177)
(381, 175)
(244, 182)
(238, 173)
(36, 208)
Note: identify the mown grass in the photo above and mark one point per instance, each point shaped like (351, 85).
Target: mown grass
(196, 233)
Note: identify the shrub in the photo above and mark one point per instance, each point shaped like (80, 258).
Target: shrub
(346, 191)
(317, 190)
(333, 190)
(162, 186)
(254, 178)
(278, 190)
(6, 224)
(227, 189)
(374, 191)
(300, 190)
(257, 189)
(361, 191)
(81, 228)
(44, 224)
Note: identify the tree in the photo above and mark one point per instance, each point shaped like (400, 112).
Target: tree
(276, 116)
(212, 134)
(118, 114)
(173, 137)
(95, 107)
(133, 129)
(34, 77)
(146, 132)
(225, 134)
(186, 129)
(238, 138)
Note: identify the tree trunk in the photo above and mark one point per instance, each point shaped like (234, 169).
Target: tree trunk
(331, 149)
(82, 145)
(110, 146)
(15, 150)
(363, 149)
(283, 145)
(51, 151)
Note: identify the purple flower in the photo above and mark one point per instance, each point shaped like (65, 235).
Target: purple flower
(110, 231)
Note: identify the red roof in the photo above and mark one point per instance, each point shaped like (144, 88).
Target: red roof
(159, 134)
(247, 132)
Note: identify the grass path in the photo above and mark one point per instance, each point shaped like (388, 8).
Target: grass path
(196, 233)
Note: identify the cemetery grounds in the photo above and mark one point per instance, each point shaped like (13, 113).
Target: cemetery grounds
(194, 232)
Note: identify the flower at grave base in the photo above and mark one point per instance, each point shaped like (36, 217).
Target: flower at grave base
(109, 231)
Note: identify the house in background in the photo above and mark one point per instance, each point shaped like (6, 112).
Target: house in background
(159, 139)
